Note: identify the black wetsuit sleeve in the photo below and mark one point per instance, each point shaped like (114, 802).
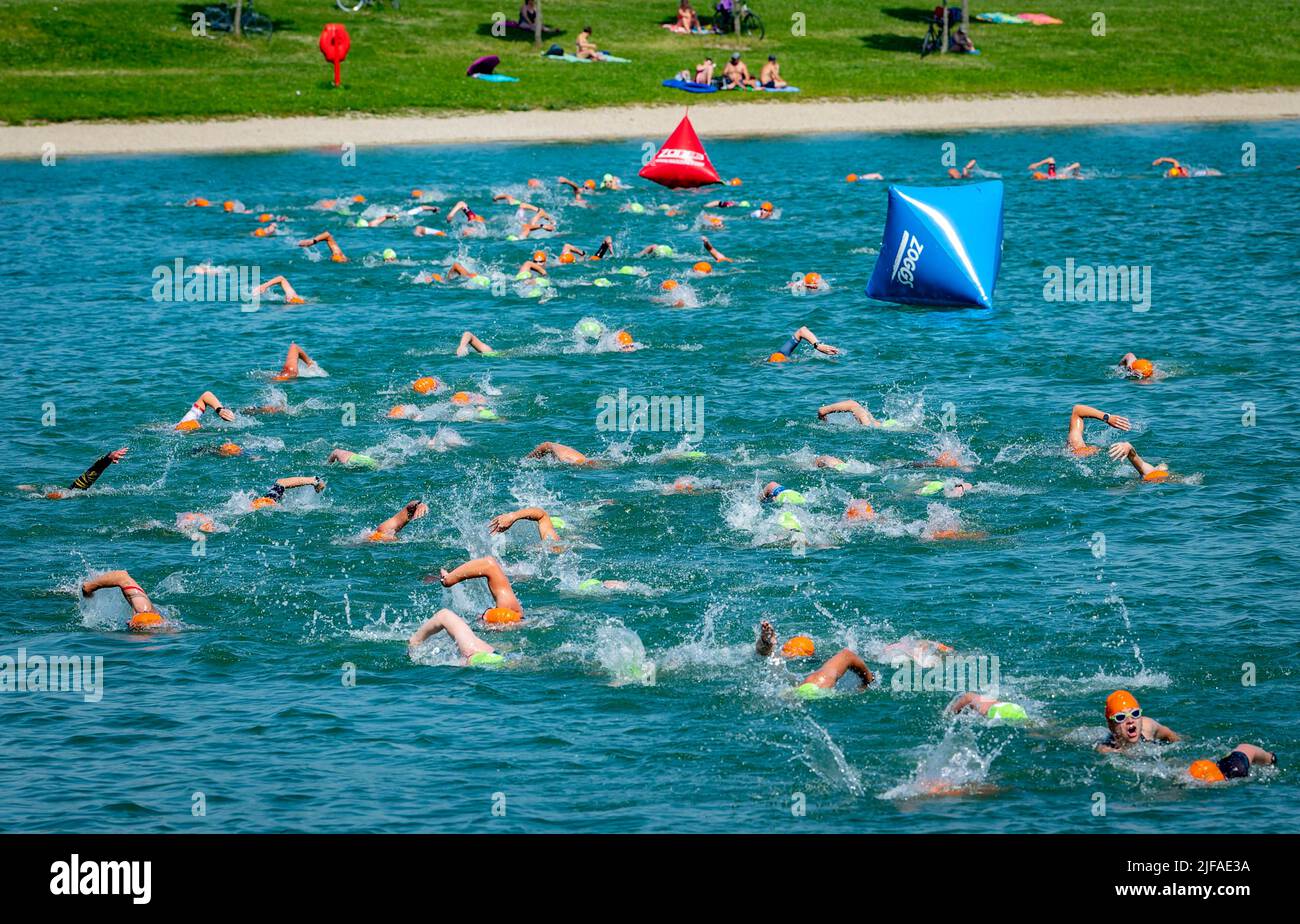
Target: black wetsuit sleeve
(91, 475)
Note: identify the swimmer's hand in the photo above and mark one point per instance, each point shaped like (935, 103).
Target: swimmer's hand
(319, 485)
(826, 348)
(1118, 422)
(501, 523)
(226, 414)
(117, 455)
(416, 509)
(442, 576)
(1119, 450)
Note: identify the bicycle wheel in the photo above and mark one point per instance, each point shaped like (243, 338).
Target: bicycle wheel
(350, 6)
(218, 18)
(256, 23)
(751, 24)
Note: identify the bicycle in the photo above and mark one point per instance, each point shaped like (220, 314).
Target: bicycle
(724, 21)
(354, 6)
(222, 19)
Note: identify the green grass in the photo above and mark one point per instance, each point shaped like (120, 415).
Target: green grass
(136, 59)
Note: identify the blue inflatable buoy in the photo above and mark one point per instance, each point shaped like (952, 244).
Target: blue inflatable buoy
(942, 246)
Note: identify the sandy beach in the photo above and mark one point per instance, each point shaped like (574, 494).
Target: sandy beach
(714, 118)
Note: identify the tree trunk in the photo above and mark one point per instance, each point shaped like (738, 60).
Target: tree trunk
(537, 27)
(239, 16)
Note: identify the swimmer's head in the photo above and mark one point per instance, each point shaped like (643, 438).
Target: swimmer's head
(143, 622)
(539, 256)
(1207, 771)
(358, 199)
(766, 207)
(703, 267)
(362, 223)
(417, 194)
(264, 217)
(859, 509)
(1123, 716)
(566, 258)
(55, 495)
(424, 385)
(1156, 474)
(260, 502)
(668, 285)
(230, 449)
(499, 615)
(778, 358)
(187, 426)
(228, 205)
(398, 410)
(801, 646)
(588, 184)
(1142, 368)
(461, 397)
(200, 201)
(851, 178)
(338, 258)
(946, 459)
(389, 255)
(812, 280)
(624, 338)
(534, 183)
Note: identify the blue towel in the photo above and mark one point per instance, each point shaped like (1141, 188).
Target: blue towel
(691, 86)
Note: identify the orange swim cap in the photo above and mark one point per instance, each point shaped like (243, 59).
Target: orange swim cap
(703, 267)
(735, 181)
(534, 183)
(851, 178)
(1156, 474)
(230, 449)
(281, 377)
(424, 385)
(1084, 450)
(358, 198)
(1143, 368)
(461, 397)
(295, 301)
(228, 206)
(200, 201)
(499, 614)
(1120, 701)
(338, 258)
(715, 221)
(1207, 771)
(859, 510)
(801, 646)
(539, 256)
(380, 536)
(778, 358)
(624, 338)
(589, 184)
(766, 206)
(260, 502)
(141, 621)
(264, 217)
(566, 258)
(812, 280)
(186, 426)
(668, 285)
(946, 459)
(417, 193)
(55, 495)
(397, 410)
(1039, 176)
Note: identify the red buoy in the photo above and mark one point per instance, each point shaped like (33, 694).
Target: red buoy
(334, 45)
(681, 163)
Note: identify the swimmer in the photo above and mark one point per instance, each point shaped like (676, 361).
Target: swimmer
(1175, 168)
(469, 342)
(349, 459)
(204, 402)
(964, 173)
(764, 211)
(948, 488)
(290, 368)
(458, 208)
(1130, 364)
(198, 202)
(536, 265)
(1149, 472)
(776, 492)
(503, 595)
(291, 297)
(336, 252)
(545, 526)
(713, 252)
(473, 650)
(830, 462)
(1128, 725)
(145, 616)
(1234, 766)
(559, 452)
(266, 409)
(860, 413)
(577, 190)
(1081, 413)
(275, 493)
(655, 250)
(83, 481)
(387, 531)
(377, 220)
(798, 646)
(989, 707)
(605, 249)
(569, 252)
(803, 335)
(541, 224)
(822, 681)
(1070, 172)
(859, 509)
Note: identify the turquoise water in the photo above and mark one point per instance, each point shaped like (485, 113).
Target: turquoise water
(246, 704)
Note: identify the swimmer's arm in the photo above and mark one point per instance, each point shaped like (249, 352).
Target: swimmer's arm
(859, 667)
(1105, 748)
(961, 702)
(489, 569)
(810, 338)
(209, 401)
(1080, 412)
(606, 247)
(1037, 164)
(1163, 733)
(1126, 451)
(301, 481)
(860, 413)
(1164, 160)
(107, 579)
(91, 475)
(646, 250)
(714, 252)
(544, 526)
(565, 181)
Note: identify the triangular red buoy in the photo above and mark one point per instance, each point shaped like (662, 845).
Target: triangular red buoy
(681, 163)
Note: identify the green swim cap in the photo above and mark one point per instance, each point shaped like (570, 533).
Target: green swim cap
(358, 460)
(512, 237)
(1008, 712)
(390, 253)
(601, 281)
(485, 659)
(486, 413)
(607, 177)
(535, 292)
(362, 223)
(589, 584)
(840, 466)
(480, 280)
(788, 520)
(663, 250)
(524, 274)
(591, 328)
(627, 270)
(490, 353)
(790, 496)
(744, 203)
(930, 487)
(890, 423)
(692, 454)
(811, 691)
(636, 208)
(558, 522)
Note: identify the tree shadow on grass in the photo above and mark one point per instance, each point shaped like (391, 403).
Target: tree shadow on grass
(185, 14)
(517, 35)
(899, 43)
(910, 13)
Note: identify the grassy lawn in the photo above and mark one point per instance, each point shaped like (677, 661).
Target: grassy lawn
(137, 59)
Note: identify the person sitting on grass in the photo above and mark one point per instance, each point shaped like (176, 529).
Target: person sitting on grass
(687, 19)
(586, 48)
(736, 75)
(702, 74)
(961, 43)
(770, 77)
(528, 19)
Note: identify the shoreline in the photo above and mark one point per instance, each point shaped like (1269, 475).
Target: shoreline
(715, 119)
